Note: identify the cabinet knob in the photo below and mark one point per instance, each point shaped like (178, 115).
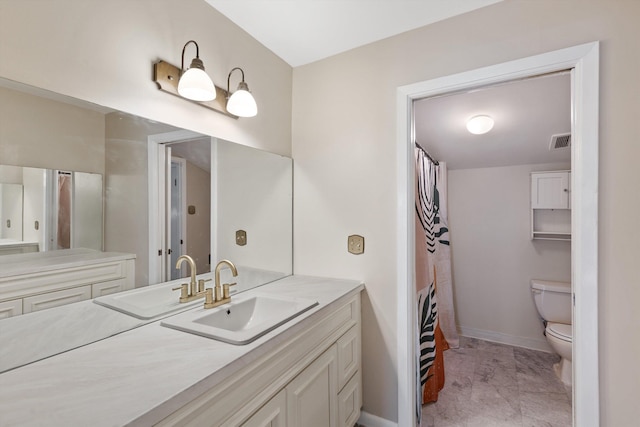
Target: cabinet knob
(566, 190)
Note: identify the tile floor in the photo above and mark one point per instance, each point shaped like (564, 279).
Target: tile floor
(489, 384)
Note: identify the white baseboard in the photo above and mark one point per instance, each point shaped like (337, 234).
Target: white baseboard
(368, 420)
(540, 344)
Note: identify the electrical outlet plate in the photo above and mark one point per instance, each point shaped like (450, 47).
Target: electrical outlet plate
(241, 237)
(355, 244)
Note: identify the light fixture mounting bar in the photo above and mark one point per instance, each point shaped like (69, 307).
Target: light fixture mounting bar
(167, 76)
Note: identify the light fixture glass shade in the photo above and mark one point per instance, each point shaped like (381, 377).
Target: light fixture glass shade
(478, 125)
(196, 85)
(241, 102)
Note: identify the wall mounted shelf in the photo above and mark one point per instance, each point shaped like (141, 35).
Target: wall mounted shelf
(551, 205)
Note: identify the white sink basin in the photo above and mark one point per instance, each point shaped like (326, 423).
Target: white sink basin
(148, 302)
(246, 318)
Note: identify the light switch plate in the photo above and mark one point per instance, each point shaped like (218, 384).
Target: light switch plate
(355, 244)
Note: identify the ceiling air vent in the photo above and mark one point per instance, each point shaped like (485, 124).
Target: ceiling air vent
(562, 140)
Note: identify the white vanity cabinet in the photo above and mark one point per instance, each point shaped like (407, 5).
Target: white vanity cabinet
(551, 205)
(311, 379)
(37, 281)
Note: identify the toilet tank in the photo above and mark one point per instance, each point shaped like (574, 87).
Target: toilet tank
(553, 300)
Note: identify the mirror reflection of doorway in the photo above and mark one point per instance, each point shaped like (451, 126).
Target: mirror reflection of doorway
(187, 183)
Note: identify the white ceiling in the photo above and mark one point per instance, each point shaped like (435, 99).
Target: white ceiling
(526, 113)
(304, 31)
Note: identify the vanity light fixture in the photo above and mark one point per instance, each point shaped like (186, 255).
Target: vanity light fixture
(195, 85)
(479, 125)
(241, 102)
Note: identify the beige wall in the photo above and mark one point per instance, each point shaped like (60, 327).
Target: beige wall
(39, 132)
(103, 52)
(494, 258)
(344, 147)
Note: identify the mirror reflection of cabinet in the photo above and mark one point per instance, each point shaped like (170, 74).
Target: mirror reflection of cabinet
(551, 205)
(37, 281)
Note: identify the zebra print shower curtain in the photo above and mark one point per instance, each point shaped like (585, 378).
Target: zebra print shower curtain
(436, 322)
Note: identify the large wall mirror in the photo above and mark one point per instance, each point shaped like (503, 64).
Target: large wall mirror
(138, 187)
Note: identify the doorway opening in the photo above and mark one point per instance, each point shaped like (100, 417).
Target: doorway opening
(490, 246)
(584, 60)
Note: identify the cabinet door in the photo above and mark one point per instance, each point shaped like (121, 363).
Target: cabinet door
(312, 396)
(350, 401)
(348, 347)
(550, 190)
(272, 414)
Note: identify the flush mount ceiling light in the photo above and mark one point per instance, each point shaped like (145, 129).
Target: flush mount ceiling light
(241, 102)
(195, 85)
(478, 125)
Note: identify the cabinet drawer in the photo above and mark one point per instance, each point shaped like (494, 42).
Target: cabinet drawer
(10, 308)
(348, 355)
(110, 287)
(55, 299)
(350, 402)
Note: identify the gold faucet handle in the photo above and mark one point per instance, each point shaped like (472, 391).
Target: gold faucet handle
(208, 296)
(184, 290)
(225, 292)
(201, 283)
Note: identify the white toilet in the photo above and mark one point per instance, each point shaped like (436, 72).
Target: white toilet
(553, 302)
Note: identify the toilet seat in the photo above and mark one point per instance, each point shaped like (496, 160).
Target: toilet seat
(560, 331)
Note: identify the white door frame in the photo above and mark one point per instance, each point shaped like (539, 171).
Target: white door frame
(182, 200)
(584, 60)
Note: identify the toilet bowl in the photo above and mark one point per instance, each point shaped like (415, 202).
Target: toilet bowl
(559, 338)
(553, 302)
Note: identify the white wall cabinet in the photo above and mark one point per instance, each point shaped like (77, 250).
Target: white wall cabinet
(551, 205)
(313, 379)
(37, 281)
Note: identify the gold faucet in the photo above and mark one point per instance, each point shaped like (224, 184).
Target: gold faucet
(191, 291)
(220, 295)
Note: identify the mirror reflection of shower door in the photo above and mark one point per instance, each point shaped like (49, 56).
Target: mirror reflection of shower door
(63, 234)
(58, 216)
